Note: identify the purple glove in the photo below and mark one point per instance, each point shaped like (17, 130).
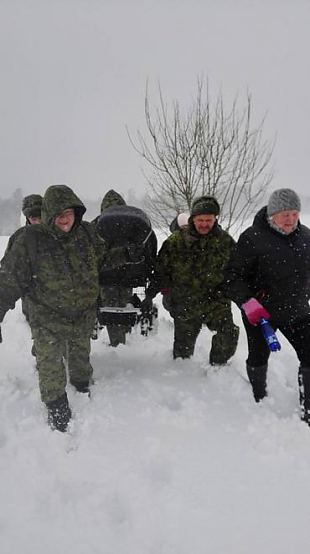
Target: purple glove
(254, 311)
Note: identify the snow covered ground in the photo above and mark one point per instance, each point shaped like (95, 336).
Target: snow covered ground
(165, 458)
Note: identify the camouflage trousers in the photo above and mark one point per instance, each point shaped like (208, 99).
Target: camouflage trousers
(116, 296)
(224, 341)
(61, 351)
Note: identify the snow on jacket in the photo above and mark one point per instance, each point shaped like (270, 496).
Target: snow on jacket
(58, 270)
(192, 266)
(273, 267)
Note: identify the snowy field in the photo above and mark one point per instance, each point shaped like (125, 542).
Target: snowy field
(165, 458)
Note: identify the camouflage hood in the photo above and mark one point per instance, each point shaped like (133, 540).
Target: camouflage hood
(32, 205)
(112, 198)
(58, 198)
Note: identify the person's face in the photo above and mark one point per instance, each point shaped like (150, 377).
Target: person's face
(286, 221)
(34, 220)
(203, 223)
(65, 220)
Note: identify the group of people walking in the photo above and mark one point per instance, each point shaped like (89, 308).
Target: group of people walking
(54, 263)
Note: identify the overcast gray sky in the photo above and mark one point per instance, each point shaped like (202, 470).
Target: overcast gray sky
(73, 75)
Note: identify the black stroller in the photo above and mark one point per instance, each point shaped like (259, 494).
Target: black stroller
(132, 249)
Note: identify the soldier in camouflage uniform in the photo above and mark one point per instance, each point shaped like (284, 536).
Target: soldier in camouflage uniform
(189, 268)
(114, 295)
(56, 263)
(31, 209)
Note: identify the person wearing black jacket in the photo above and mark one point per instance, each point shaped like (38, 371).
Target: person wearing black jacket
(268, 276)
(131, 253)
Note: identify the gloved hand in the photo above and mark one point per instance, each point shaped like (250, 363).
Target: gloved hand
(165, 291)
(146, 305)
(254, 311)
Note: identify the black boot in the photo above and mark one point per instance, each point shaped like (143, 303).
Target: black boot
(81, 386)
(59, 413)
(257, 377)
(304, 392)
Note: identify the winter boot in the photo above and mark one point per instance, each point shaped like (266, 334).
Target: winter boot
(257, 377)
(304, 392)
(59, 413)
(81, 386)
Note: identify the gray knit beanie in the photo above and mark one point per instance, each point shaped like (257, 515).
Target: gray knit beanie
(282, 200)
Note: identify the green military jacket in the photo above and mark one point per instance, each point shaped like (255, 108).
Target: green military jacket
(58, 271)
(191, 265)
(13, 237)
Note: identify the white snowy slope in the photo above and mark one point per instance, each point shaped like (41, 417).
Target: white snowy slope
(165, 458)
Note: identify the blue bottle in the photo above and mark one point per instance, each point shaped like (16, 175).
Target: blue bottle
(269, 335)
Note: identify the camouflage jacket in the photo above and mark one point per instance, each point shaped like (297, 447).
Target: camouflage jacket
(57, 270)
(111, 198)
(191, 265)
(13, 238)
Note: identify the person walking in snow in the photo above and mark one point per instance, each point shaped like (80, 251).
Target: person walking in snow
(190, 268)
(132, 244)
(57, 264)
(31, 209)
(180, 221)
(268, 276)
(114, 295)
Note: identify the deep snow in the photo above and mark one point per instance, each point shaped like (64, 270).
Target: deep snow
(165, 458)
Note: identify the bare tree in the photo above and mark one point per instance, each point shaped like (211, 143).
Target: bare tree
(207, 151)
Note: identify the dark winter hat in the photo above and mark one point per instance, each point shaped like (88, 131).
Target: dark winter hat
(32, 205)
(205, 205)
(282, 200)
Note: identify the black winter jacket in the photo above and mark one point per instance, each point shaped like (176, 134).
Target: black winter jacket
(272, 267)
